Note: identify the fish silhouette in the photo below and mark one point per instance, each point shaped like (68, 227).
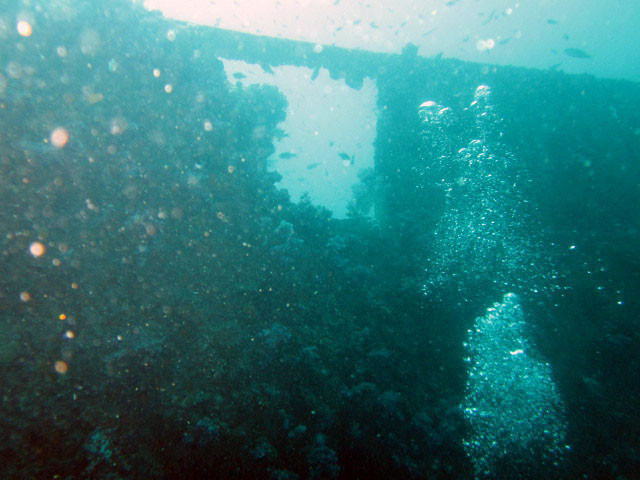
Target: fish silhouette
(576, 53)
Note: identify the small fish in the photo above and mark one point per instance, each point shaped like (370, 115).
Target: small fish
(287, 155)
(280, 134)
(490, 18)
(218, 124)
(41, 146)
(37, 267)
(313, 165)
(551, 21)
(576, 53)
(344, 156)
(239, 76)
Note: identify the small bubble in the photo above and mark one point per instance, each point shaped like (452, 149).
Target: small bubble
(24, 28)
(118, 126)
(168, 88)
(14, 70)
(93, 98)
(208, 126)
(25, 296)
(62, 51)
(318, 48)
(113, 65)
(171, 35)
(156, 72)
(37, 249)
(90, 42)
(59, 137)
(61, 367)
(177, 213)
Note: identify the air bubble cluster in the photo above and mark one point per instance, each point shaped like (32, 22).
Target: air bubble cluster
(486, 242)
(514, 410)
(487, 239)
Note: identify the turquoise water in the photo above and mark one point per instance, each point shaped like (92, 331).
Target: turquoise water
(169, 310)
